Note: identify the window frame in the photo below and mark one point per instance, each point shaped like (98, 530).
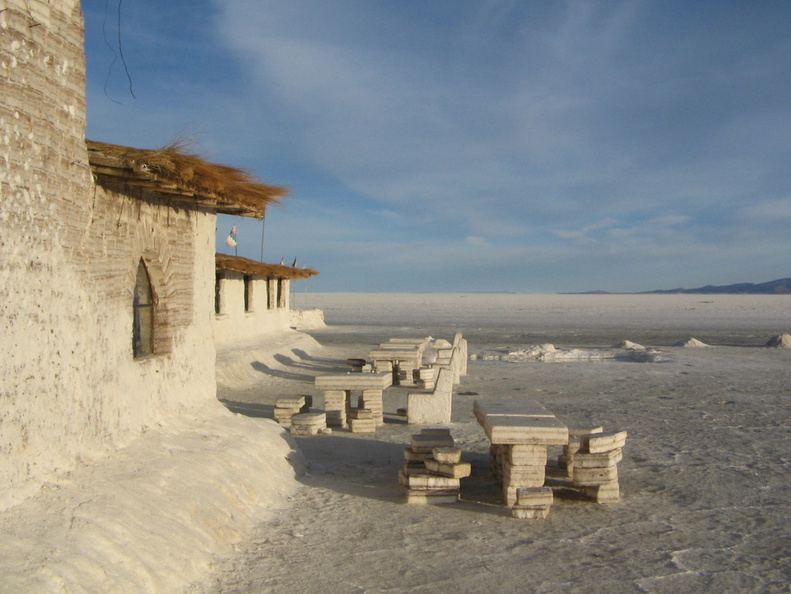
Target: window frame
(143, 313)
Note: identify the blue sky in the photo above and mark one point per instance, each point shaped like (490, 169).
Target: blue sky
(524, 146)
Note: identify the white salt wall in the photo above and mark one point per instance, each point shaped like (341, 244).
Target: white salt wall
(70, 389)
(307, 319)
(44, 200)
(178, 248)
(234, 326)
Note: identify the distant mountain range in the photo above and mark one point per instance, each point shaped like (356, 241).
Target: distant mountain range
(775, 287)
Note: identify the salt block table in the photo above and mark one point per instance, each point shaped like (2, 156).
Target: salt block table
(338, 388)
(519, 433)
(401, 356)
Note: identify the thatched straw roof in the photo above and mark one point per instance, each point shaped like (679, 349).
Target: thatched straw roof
(183, 177)
(246, 266)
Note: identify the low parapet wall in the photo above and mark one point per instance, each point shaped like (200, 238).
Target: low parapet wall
(305, 319)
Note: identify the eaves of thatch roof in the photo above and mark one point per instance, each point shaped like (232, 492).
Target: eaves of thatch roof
(246, 266)
(183, 177)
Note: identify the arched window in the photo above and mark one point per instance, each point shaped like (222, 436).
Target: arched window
(143, 309)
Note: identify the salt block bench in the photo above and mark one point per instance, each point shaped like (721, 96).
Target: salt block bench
(454, 356)
(435, 406)
(337, 389)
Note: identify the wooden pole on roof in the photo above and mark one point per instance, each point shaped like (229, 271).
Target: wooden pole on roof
(263, 221)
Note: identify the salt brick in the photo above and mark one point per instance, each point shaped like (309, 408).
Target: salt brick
(431, 481)
(527, 450)
(591, 477)
(609, 493)
(603, 442)
(449, 455)
(297, 402)
(412, 456)
(362, 425)
(533, 471)
(311, 418)
(522, 481)
(534, 496)
(457, 470)
(603, 460)
(432, 497)
(525, 430)
(426, 442)
(530, 513)
(510, 490)
(578, 432)
(361, 413)
(525, 455)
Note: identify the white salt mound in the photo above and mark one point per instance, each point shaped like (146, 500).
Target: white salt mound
(627, 344)
(782, 341)
(690, 342)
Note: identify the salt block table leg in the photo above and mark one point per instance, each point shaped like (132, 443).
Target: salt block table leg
(374, 400)
(335, 403)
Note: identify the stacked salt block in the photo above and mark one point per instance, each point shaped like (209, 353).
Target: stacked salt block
(566, 459)
(425, 377)
(361, 420)
(308, 423)
(285, 408)
(373, 400)
(335, 407)
(596, 465)
(532, 503)
(518, 466)
(433, 468)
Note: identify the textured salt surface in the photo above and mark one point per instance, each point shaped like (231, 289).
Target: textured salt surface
(704, 478)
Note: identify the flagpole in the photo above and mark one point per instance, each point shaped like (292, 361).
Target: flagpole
(263, 222)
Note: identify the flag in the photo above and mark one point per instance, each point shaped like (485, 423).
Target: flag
(231, 241)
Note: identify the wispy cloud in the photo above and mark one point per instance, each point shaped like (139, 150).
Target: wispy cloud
(561, 133)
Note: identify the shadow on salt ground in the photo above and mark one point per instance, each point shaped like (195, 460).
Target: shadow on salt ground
(288, 375)
(326, 366)
(249, 409)
(308, 357)
(367, 468)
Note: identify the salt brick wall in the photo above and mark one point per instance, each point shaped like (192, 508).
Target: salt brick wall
(235, 327)
(177, 246)
(44, 190)
(69, 387)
